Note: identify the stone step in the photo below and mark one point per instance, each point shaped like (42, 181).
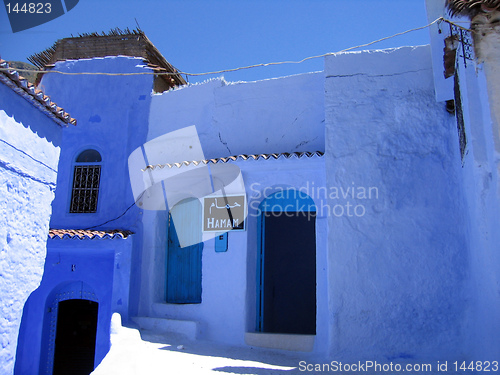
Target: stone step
(165, 326)
(296, 343)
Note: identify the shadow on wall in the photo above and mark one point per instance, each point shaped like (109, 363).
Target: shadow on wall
(30, 117)
(271, 360)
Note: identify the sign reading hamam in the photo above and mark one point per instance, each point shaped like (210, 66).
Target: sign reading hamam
(224, 213)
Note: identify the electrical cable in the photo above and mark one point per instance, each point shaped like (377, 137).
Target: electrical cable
(116, 218)
(440, 19)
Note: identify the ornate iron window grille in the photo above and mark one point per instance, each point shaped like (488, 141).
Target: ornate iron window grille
(462, 137)
(464, 37)
(85, 188)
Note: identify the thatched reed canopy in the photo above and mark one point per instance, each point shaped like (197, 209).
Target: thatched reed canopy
(471, 8)
(116, 42)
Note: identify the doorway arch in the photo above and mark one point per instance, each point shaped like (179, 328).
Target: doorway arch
(64, 316)
(75, 339)
(286, 264)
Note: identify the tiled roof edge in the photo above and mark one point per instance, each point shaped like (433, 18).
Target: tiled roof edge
(86, 234)
(285, 155)
(35, 96)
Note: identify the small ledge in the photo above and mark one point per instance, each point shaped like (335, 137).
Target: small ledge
(284, 341)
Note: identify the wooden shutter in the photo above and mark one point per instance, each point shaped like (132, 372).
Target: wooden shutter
(184, 263)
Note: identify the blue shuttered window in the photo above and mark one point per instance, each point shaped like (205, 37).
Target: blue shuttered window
(184, 263)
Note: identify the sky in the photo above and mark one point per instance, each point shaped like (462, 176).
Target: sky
(207, 35)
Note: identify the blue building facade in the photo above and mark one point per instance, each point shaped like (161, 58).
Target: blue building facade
(96, 228)
(363, 149)
(80, 265)
(31, 127)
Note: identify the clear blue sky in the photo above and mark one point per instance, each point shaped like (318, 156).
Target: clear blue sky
(206, 35)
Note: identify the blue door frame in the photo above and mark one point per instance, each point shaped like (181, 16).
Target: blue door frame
(286, 278)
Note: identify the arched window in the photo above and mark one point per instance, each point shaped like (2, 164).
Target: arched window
(86, 178)
(89, 156)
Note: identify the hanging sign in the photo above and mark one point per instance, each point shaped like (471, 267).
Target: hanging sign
(224, 213)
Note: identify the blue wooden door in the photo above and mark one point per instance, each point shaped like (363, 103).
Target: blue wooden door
(184, 263)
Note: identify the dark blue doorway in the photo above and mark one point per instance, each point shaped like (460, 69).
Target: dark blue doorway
(287, 264)
(75, 337)
(184, 263)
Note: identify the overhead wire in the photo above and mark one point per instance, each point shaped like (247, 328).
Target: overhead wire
(116, 218)
(440, 19)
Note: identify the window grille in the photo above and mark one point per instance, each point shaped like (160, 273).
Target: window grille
(462, 138)
(464, 37)
(86, 179)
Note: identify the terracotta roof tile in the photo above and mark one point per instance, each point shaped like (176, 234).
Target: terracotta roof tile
(86, 234)
(471, 8)
(282, 155)
(28, 91)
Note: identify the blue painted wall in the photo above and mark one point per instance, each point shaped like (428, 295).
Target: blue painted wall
(112, 115)
(95, 264)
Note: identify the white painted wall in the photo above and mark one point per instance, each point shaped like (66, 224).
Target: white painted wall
(437, 33)
(399, 274)
(407, 275)
(394, 281)
(29, 153)
(479, 88)
(481, 183)
(228, 307)
(276, 115)
(271, 116)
